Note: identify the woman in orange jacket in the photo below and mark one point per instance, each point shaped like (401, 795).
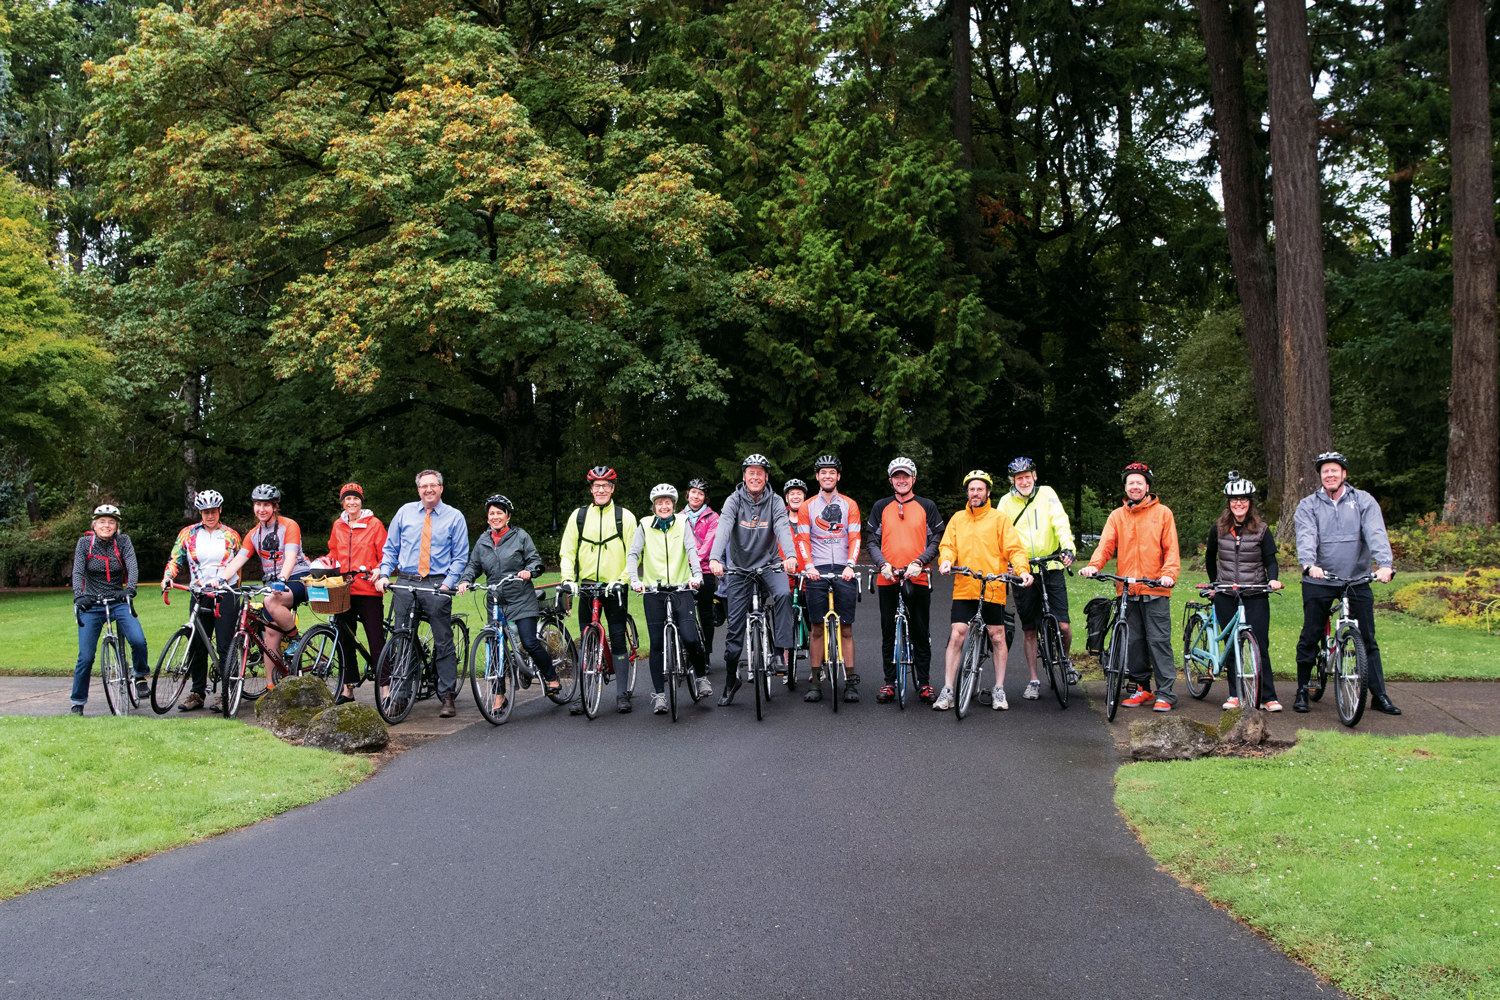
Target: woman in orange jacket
(355, 543)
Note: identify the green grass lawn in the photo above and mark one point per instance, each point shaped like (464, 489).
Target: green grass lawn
(81, 795)
(1410, 649)
(1376, 860)
(41, 639)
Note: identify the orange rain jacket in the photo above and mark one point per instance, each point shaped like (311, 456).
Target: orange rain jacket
(986, 541)
(1144, 537)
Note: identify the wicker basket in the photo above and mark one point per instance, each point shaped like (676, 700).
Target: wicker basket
(325, 599)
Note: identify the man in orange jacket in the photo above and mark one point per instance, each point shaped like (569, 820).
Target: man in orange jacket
(1142, 533)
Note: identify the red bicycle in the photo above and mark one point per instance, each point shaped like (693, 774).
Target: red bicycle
(246, 671)
(597, 660)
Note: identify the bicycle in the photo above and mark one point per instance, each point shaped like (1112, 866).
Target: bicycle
(1049, 645)
(976, 647)
(597, 658)
(119, 689)
(673, 659)
(320, 650)
(833, 647)
(500, 664)
(1114, 656)
(759, 646)
(1205, 646)
(901, 646)
(408, 666)
(801, 633)
(248, 666)
(1342, 656)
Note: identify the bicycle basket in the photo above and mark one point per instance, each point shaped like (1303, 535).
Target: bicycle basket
(1097, 612)
(328, 595)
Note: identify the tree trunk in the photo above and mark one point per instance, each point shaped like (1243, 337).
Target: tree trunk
(1229, 39)
(33, 504)
(1400, 152)
(1302, 319)
(193, 397)
(967, 249)
(1473, 462)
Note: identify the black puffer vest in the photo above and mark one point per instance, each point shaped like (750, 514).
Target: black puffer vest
(1240, 559)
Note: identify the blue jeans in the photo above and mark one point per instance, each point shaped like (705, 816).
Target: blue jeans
(88, 642)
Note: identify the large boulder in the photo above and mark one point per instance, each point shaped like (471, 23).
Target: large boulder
(1171, 739)
(348, 728)
(289, 708)
(1247, 728)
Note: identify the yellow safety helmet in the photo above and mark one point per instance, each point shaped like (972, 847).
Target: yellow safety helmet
(979, 474)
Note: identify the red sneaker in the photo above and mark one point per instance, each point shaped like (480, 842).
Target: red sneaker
(927, 694)
(1139, 698)
(886, 693)
(1162, 706)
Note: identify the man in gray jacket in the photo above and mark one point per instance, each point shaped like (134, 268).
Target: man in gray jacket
(1339, 532)
(754, 534)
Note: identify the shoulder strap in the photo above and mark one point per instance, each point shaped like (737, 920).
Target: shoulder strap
(1034, 494)
(583, 513)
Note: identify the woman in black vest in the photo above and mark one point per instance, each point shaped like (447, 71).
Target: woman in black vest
(1242, 550)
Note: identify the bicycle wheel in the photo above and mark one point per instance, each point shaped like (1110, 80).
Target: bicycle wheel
(461, 653)
(401, 664)
(317, 653)
(1350, 679)
(234, 673)
(114, 677)
(632, 650)
(1249, 668)
(171, 671)
(493, 676)
(1318, 683)
(671, 668)
(257, 678)
(968, 671)
(834, 667)
(592, 680)
(1114, 668)
(902, 656)
(564, 659)
(1057, 663)
(753, 639)
(1197, 657)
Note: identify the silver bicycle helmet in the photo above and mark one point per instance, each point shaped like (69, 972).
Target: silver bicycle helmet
(107, 510)
(265, 491)
(698, 484)
(1332, 456)
(663, 490)
(901, 465)
(208, 500)
(1020, 465)
(756, 459)
(1238, 486)
(499, 500)
(795, 484)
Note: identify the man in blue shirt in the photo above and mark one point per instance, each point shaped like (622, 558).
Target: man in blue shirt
(428, 544)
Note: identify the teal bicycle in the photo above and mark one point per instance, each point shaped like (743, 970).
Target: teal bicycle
(1209, 650)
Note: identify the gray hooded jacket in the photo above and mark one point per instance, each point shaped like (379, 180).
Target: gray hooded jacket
(750, 530)
(1342, 538)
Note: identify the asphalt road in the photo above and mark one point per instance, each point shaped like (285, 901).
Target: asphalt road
(869, 853)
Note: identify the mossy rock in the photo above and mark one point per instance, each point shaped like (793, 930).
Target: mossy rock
(1228, 719)
(347, 728)
(1171, 739)
(289, 708)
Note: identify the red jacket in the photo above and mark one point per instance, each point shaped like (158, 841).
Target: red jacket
(356, 545)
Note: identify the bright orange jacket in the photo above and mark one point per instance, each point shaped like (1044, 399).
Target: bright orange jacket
(1144, 538)
(986, 541)
(356, 545)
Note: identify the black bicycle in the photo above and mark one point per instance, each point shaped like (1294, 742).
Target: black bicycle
(760, 649)
(1342, 656)
(501, 665)
(407, 671)
(1115, 654)
(674, 661)
(119, 690)
(1049, 645)
(320, 651)
(976, 647)
(906, 675)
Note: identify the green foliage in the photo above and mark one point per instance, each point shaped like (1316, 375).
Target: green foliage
(1196, 421)
(1428, 543)
(1470, 601)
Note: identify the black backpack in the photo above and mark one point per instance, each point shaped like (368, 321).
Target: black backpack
(582, 515)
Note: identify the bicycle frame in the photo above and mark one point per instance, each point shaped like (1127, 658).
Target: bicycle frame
(110, 637)
(1119, 630)
(758, 623)
(968, 679)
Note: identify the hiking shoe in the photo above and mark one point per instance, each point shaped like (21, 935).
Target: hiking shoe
(705, 689)
(142, 690)
(927, 694)
(1271, 706)
(191, 703)
(1231, 703)
(887, 693)
(76, 710)
(1139, 698)
(622, 704)
(1161, 706)
(1033, 691)
(658, 704)
(851, 687)
(944, 701)
(997, 699)
(814, 693)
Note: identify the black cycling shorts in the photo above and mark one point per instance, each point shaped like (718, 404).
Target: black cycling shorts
(1029, 599)
(845, 594)
(994, 614)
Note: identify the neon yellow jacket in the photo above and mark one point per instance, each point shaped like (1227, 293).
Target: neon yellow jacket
(599, 554)
(1043, 527)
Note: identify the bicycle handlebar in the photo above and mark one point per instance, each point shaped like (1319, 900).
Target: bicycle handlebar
(78, 609)
(1341, 580)
(1054, 557)
(667, 588)
(1145, 581)
(987, 577)
(1235, 588)
(391, 585)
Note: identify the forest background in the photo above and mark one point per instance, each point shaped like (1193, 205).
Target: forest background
(304, 242)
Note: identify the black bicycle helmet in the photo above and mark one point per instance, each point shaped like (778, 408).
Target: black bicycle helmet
(1020, 465)
(1332, 456)
(501, 501)
(698, 484)
(795, 484)
(828, 462)
(1138, 469)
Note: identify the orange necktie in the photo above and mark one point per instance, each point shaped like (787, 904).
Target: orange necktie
(424, 559)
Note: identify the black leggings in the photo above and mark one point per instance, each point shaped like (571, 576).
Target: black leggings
(614, 610)
(541, 657)
(1258, 617)
(222, 626)
(656, 626)
(369, 609)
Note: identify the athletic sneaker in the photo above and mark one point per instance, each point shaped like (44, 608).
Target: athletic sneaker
(997, 699)
(1272, 706)
(887, 693)
(658, 704)
(1033, 691)
(704, 687)
(1073, 676)
(1139, 698)
(927, 694)
(1161, 706)
(1231, 703)
(944, 701)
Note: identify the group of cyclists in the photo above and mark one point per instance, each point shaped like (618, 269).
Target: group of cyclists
(694, 558)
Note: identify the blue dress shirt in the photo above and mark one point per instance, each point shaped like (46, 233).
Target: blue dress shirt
(450, 542)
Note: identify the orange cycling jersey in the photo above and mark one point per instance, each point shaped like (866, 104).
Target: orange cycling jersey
(827, 531)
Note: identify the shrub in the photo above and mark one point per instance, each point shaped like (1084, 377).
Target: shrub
(1425, 543)
(1469, 601)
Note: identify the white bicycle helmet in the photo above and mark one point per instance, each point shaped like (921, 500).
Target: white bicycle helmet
(756, 459)
(265, 491)
(663, 490)
(107, 510)
(1238, 486)
(208, 500)
(901, 465)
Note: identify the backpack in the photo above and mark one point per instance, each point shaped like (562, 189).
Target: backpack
(582, 515)
(1097, 612)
